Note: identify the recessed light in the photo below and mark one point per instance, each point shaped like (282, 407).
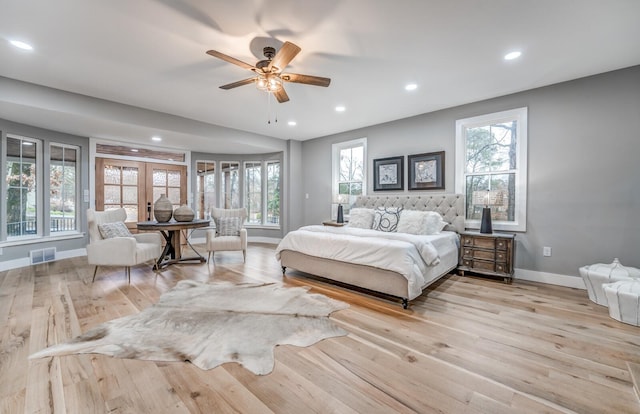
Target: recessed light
(21, 45)
(157, 139)
(411, 87)
(134, 150)
(340, 108)
(512, 55)
(292, 123)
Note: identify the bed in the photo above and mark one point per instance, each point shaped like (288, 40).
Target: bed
(373, 259)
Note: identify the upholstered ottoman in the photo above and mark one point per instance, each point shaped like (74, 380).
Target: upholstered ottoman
(596, 275)
(624, 300)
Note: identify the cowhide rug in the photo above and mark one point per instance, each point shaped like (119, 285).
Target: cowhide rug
(210, 324)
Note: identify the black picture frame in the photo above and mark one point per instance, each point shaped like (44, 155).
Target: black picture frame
(426, 171)
(388, 174)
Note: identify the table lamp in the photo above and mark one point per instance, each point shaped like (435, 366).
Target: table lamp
(339, 199)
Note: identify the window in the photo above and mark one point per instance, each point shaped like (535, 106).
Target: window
(349, 171)
(205, 188)
(262, 192)
(230, 184)
(273, 192)
(23, 170)
(253, 191)
(41, 186)
(491, 167)
(63, 188)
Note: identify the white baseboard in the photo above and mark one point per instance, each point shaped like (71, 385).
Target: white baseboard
(550, 278)
(24, 262)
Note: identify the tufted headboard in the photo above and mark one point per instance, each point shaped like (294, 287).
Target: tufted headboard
(450, 206)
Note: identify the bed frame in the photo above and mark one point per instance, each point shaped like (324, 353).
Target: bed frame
(450, 207)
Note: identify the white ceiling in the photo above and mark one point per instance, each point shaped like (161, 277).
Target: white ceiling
(151, 54)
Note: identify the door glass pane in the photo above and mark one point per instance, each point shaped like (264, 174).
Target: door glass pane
(173, 179)
(130, 195)
(132, 212)
(111, 174)
(112, 194)
(173, 194)
(130, 176)
(159, 178)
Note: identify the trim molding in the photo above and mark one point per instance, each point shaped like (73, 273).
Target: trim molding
(550, 278)
(24, 262)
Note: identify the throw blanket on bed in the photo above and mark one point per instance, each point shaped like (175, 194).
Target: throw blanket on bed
(406, 254)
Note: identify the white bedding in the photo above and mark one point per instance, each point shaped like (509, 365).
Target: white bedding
(409, 255)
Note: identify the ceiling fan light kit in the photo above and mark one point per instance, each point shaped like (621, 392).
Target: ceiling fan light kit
(269, 76)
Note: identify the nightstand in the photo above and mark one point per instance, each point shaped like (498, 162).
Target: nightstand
(333, 223)
(487, 254)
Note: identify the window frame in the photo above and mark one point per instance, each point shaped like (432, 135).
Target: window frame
(336, 148)
(78, 200)
(246, 167)
(206, 212)
(264, 195)
(521, 116)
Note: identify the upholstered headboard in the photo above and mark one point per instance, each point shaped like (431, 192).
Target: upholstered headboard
(450, 206)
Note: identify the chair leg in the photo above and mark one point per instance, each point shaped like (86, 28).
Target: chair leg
(244, 256)
(127, 271)
(209, 258)
(94, 274)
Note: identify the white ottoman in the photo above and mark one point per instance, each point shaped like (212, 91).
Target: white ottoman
(624, 300)
(597, 274)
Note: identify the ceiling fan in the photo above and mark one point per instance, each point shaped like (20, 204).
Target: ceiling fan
(269, 71)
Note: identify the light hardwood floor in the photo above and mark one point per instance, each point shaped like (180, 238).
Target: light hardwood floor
(468, 345)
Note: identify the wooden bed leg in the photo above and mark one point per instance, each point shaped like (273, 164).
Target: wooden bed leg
(405, 303)
(284, 268)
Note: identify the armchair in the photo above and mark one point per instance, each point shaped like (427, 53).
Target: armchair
(229, 234)
(119, 248)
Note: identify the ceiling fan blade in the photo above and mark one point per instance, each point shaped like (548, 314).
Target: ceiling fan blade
(281, 95)
(239, 83)
(306, 79)
(285, 55)
(230, 59)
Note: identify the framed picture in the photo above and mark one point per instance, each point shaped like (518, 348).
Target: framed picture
(388, 174)
(426, 171)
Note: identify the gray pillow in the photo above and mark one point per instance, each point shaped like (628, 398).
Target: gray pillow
(228, 226)
(115, 229)
(361, 218)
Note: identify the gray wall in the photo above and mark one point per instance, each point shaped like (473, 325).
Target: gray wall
(22, 251)
(584, 167)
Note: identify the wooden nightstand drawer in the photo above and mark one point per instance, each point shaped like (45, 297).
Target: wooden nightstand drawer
(467, 241)
(502, 244)
(501, 267)
(483, 265)
(501, 257)
(484, 254)
(484, 242)
(467, 252)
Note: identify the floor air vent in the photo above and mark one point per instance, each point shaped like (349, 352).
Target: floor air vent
(43, 255)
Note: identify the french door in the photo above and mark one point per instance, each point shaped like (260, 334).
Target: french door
(135, 185)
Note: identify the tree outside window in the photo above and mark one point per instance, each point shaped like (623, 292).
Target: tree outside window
(492, 152)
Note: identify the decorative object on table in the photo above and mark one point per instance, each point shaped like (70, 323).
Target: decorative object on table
(339, 199)
(388, 174)
(184, 213)
(426, 171)
(162, 209)
(489, 200)
(209, 324)
(623, 299)
(596, 275)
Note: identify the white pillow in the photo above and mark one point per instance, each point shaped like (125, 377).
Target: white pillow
(420, 222)
(361, 218)
(386, 218)
(115, 229)
(434, 222)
